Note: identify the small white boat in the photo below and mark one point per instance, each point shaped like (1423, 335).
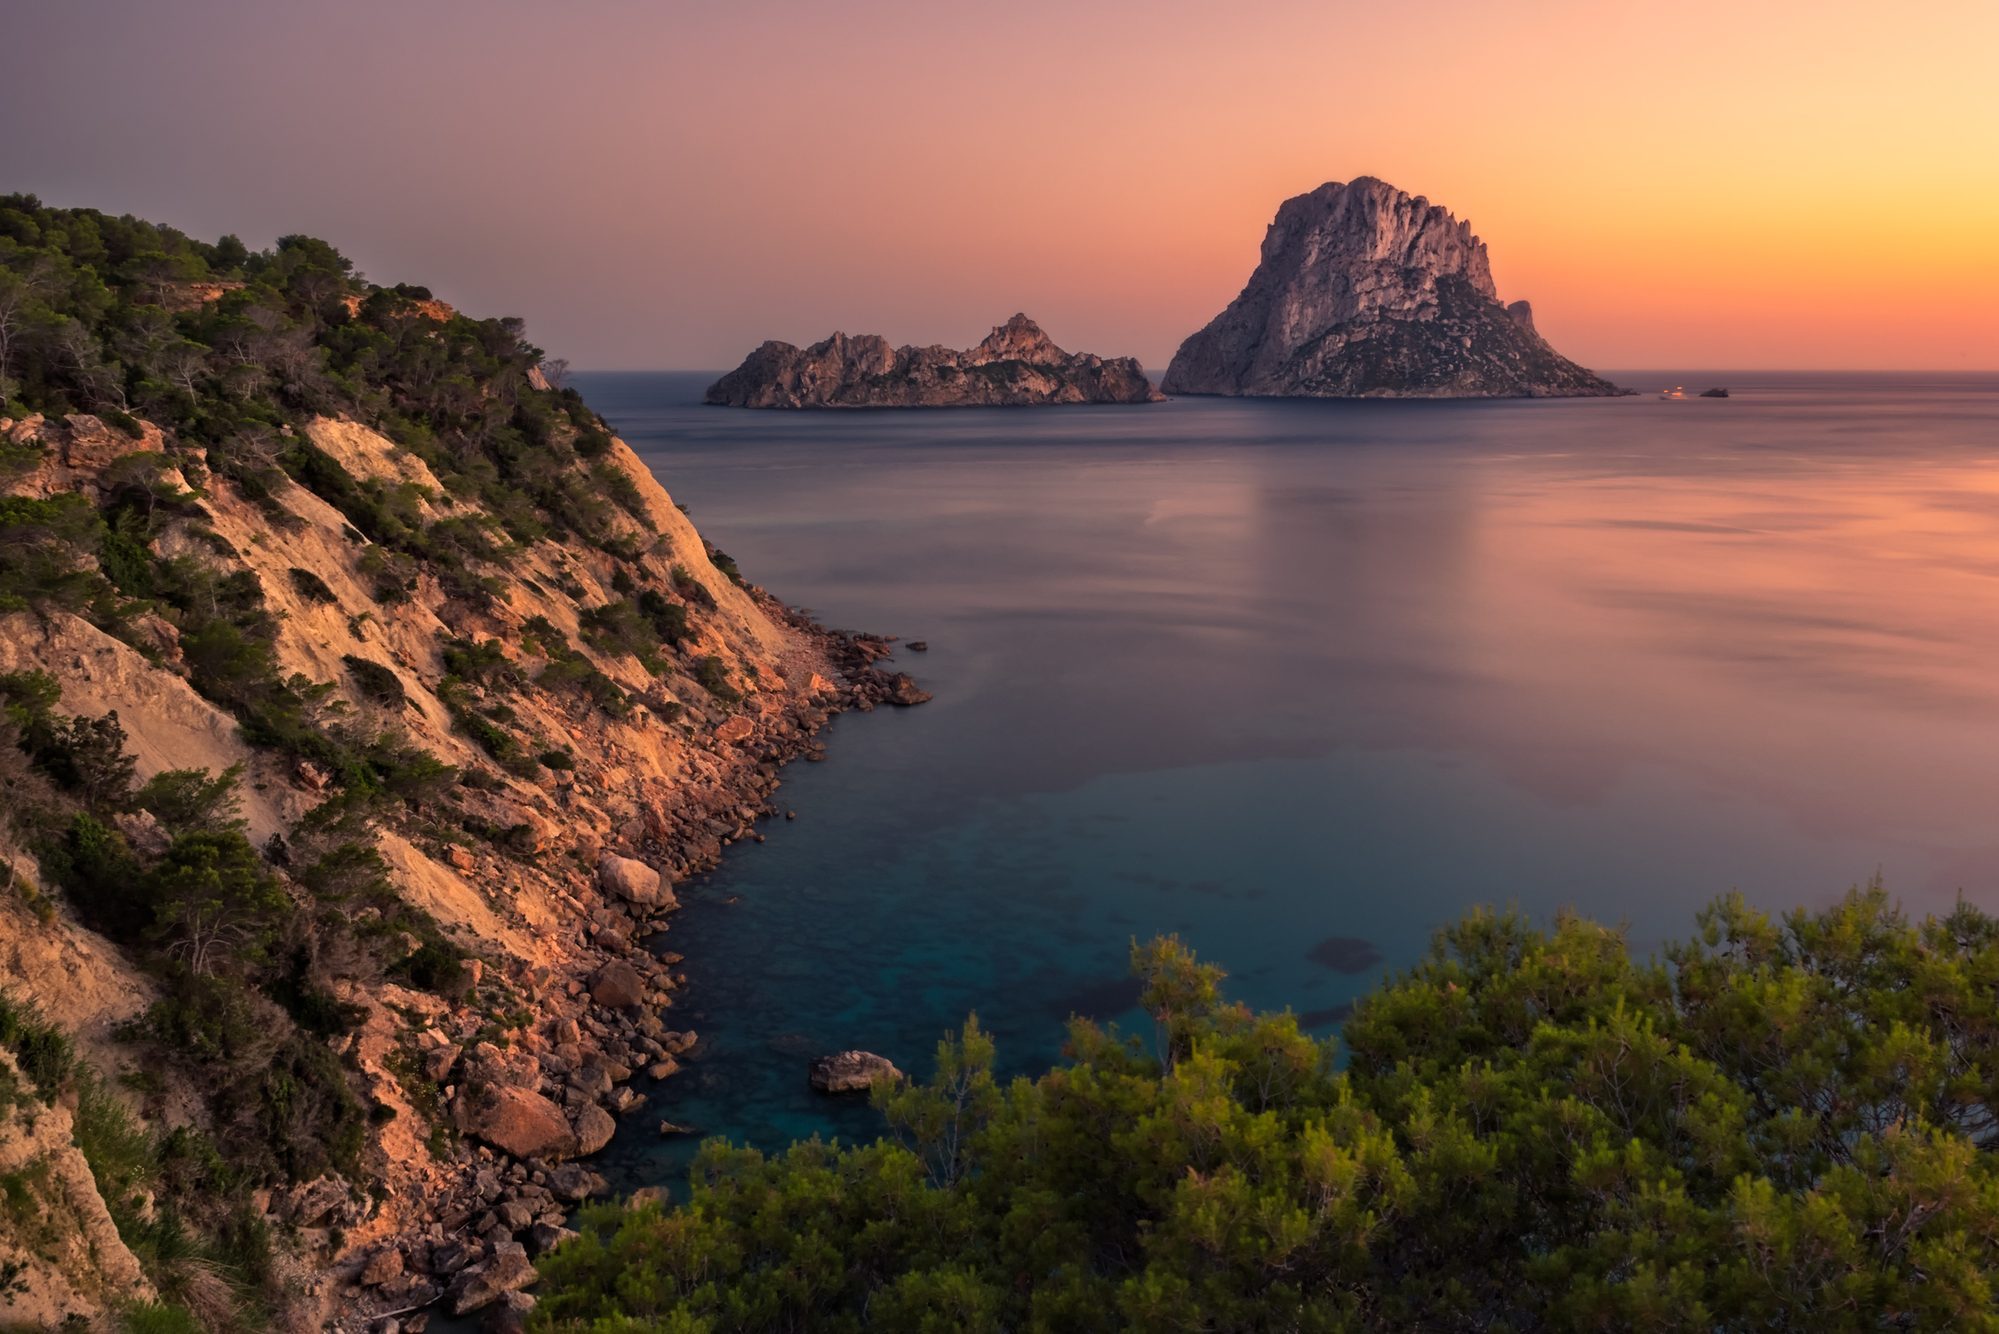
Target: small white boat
(1675, 392)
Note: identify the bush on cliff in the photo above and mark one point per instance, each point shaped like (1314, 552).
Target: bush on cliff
(1783, 1126)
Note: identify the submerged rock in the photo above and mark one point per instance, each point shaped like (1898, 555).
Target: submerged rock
(1345, 954)
(1362, 291)
(852, 1072)
(1016, 365)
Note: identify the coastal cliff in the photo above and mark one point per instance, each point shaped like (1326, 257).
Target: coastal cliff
(362, 700)
(1363, 290)
(1016, 365)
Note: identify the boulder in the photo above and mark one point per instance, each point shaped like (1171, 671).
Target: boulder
(517, 1121)
(618, 986)
(545, 1237)
(448, 1257)
(852, 1072)
(142, 829)
(382, 1267)
(572, 1182)
(507, 1270)
(633, 881)
(509, 1315)
(734, 730)
(594, 1128)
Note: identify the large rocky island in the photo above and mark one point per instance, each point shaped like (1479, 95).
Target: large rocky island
(1016, 365)
(1366, 291)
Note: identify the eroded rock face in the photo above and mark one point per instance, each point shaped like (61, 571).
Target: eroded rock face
(1016, 365)
(1366, 291)
(852, 1072)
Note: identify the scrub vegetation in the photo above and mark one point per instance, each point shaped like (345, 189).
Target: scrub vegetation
(1781, 1125)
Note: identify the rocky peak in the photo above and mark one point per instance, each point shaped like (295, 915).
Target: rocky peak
(1019, 339)
(1365, 245)
(1364, 289)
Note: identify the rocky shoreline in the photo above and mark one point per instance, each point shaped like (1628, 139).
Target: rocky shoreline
(551, 1093)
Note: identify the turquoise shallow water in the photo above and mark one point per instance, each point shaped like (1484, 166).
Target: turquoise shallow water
(1301, 681)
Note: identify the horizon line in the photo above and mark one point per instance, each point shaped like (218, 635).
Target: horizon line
(1608, 370)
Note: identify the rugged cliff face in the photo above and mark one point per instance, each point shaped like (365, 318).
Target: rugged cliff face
(1014, 366)
(362, 699)
(1363, 290)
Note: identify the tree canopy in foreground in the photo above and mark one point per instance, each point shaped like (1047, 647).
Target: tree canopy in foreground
(1780, 1126)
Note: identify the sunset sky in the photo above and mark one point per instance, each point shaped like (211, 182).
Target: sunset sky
(667, 184)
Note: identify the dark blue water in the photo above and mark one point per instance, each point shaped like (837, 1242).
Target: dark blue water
(1301, 681)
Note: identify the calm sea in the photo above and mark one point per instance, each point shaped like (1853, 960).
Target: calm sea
(1301, 681)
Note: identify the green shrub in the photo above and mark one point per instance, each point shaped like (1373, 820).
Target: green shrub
(48, 551)
(85, 756)
(713, 676)
(311, 587)
(693, 590)
(722, 561)
(1778, 1126)
(43, 1051)
(189, 801)
(158, 1318)
(377, 684)
(482, 661)
(436, 966)
(96, 871)
(575, 675)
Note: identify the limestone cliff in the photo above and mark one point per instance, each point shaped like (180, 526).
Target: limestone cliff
(362, 700)
(1363, 290)
(1016, 365)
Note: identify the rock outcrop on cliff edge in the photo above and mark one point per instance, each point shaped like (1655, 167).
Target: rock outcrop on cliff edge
(1364, 290)
(1016, 365)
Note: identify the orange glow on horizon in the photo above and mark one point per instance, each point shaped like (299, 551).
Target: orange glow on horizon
(1770, 185)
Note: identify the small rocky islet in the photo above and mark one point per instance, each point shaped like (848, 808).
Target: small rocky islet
(1016, 365)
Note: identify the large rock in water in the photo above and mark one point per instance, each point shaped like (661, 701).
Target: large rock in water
(852, 1072)
(1365, 291)
(1015, 366)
